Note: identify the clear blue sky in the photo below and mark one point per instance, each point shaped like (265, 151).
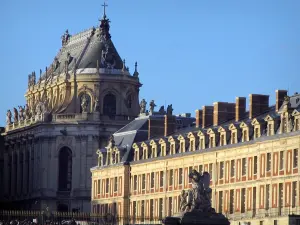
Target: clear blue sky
(190, 53)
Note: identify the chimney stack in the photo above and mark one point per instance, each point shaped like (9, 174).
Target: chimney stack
(199, 115)
(156, 127)
(240, 108)
(258, 104)
(170, 125)
(207, 116)
(280, 94)
(223, 111)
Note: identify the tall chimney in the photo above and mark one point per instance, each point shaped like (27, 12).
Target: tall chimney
(223, 111)
(240, 108)
(280, 94)
(199, 114)
(156, 126)
(207, 116)
(257, 104)
(170, 125)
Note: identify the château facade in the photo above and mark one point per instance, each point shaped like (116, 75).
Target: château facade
(252, 156)
(72, 107)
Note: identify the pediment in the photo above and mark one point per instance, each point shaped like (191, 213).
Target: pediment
(162, 141)
(296, 112)
(232, 127)
(135, 145)
(211, 131)
(181, 138)
(244, 125)
(268, 118)
(153, 142)
(191, 135)
(201, 133)
(144, 145)
(221, 129)
(255, 122)
(171, 139)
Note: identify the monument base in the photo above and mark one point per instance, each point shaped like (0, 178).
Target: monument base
(197, 218)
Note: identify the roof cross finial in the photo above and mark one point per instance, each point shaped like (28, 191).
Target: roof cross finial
(104, 6)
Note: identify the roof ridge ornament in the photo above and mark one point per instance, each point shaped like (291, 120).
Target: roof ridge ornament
(104, 26)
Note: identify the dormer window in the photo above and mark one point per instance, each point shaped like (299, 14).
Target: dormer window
(256, 132)
(233, 137)
(136, 155)
(297, 124)
(245, 135)
(145, 153)
(222, 139)
(211, 141)
(153, 152)
(270, 129)
(284, 125)
(201, 144)
(182, 148)
(192, 145)
(172, 149)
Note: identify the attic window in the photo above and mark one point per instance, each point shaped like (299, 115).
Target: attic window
(211, 142)
(172, 149)
(192, 145)
(284, 124)
(201, 145)
(256, 132)
(182, 146)
(270, 129)
(222, 140)
(297, 124)
(245, 135)
(233, 137)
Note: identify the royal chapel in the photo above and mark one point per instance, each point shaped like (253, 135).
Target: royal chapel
(86, 142)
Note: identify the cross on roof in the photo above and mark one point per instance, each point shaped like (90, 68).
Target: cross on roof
(104, 5)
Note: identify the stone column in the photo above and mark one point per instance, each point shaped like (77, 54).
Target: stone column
(83, 161)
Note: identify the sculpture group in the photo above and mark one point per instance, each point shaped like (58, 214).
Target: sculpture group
(143, 105)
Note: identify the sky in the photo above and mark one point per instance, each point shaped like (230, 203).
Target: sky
(190, 53)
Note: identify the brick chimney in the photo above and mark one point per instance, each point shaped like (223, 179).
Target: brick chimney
(207, 116)
(223, 111)
(170, 125)
(280, 94)
(156, 126)
(240, 108)
(257, 104)
(199, 115)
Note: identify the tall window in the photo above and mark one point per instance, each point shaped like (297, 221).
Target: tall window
(143, 182)
(116, 184)
(232, 167)
(231, 201)
(255, 165)
(295, 161)
(297, 124)
(211, 142)
(180, 175)
(221, 170)
(270, 129)
(256, 132)
(222, 137)
(233, 137)
(281, 160)
(244, 166)
(160, 208)
(245, 135)
(170, 177)
(110, 105)
(152, 180)
(243, 200)
(65, 169)
(161, 178)
(135, 182)
(220, 201)
(268, 161)
(294, 194)
(267, 196)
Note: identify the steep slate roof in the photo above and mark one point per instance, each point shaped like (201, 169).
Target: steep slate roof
(85, 49)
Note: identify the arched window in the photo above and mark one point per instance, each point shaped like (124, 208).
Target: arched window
(109, 105)
(129, 101)
(65, 169)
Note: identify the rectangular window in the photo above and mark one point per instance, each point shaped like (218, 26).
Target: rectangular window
(181, 146)
(170, 177)
(243, 200)
(107, 185)
(161, 178)
(231, 203)
(134, 209)
(220, 201)
(163, 152)
(256, 132)
(294, 194)
(270, 130)
(233, 137)
(143, 181)
(295, 161)
(192, 145)
(190, 170)
(221, 170)
(200, 168)
(180, 174)
(268, 161)
(210, 170)
(244, 166)
(222, 137)
(245, 135)
(160, 208)
(142, 210)
(151, 209)
(211, 142)
(135, 182)
(281, 160)
(201, 146)
(170, 206)
(152, 180)
(275, 222)
(267, 196)
(99, 187)
(232, 167)
(116, 184)
(255, 165)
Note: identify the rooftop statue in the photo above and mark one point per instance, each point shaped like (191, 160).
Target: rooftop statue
(16, 115)
(152, 106)
(8, 117)
(169, 110)
(143, 105)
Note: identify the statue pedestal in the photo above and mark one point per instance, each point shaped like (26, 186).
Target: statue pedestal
(197, 218)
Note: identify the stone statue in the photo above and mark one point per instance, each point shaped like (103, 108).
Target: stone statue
(162, 110)
(8, 117)
(169, 110)
(65, 38)
(111, 142)
(198, 197)
(21, 113)
(143, 105)
(84, 104)
(152, 105)
(27, 112)
(100, 162)
(96, 106)
(16, 115)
